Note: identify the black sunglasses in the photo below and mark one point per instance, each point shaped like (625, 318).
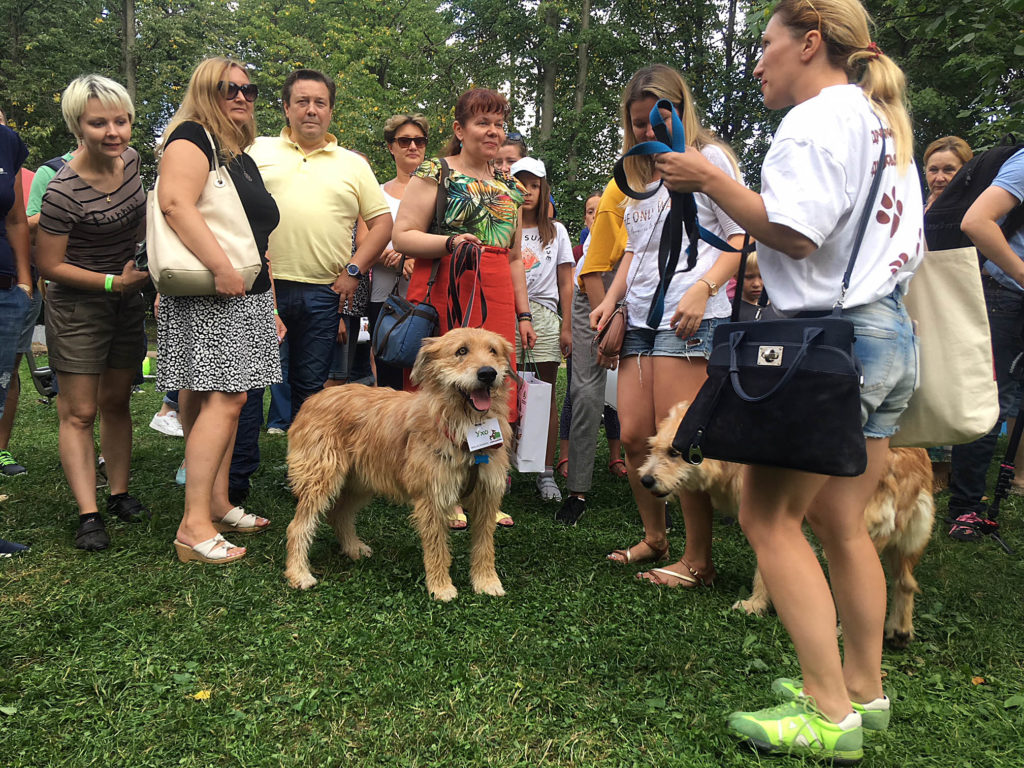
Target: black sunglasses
(229, 91)
(405, 141)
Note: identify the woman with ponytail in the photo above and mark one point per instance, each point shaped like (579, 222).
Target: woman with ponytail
(846, 95)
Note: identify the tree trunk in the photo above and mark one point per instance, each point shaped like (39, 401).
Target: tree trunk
(581, 85)
(128, 46)
(548, 73)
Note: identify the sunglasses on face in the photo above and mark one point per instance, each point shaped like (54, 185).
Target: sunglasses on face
(405, 141)
(230, 91)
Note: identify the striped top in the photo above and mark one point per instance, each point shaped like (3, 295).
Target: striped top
(102, 229)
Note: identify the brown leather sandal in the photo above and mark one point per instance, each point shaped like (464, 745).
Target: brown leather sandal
(693, 577)
(562, 467)
(618, 468)
(625, 556)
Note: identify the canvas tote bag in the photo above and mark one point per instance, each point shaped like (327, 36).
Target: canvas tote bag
(174, 269)
(957, 400)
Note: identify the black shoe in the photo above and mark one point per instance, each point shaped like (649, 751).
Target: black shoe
(237, 496)
(92, 534)
(127, 508)
(9, 548)
(572, 510)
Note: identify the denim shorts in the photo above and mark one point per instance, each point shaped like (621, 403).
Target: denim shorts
(886, 346)
(665, 343)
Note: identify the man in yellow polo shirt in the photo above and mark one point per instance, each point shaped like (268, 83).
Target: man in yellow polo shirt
(320, 189)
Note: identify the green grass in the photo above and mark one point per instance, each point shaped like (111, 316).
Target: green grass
(101, 654)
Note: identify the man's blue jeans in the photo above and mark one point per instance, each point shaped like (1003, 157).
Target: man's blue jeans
(971, 461)
(310, 313)
(14, 307)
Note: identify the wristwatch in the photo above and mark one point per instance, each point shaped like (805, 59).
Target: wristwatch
(712, 286)
(353, 271)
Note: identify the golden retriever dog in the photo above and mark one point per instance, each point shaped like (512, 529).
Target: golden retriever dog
(899, 516)
(353, 442)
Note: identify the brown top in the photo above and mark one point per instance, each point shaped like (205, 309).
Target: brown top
(102, 229)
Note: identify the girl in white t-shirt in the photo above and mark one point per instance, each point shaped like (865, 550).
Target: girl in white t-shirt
(661, 366)
(547, 258)
(818, 58)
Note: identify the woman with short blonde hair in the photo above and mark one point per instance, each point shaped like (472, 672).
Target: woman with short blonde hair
(92, 218)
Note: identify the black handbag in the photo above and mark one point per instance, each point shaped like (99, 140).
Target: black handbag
(783, 393)
(401, 325)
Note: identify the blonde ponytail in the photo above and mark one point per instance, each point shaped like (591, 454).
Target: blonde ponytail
(844, 28)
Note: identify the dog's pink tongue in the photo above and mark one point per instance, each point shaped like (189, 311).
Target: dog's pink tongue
(481, 399)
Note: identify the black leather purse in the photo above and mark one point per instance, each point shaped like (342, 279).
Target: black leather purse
(783, 393)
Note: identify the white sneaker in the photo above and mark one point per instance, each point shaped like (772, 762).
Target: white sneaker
(275, 431)
(168, 424)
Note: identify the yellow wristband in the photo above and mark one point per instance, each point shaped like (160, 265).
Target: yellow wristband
(108, 284)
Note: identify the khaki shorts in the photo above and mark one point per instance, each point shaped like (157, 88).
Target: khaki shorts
(548, 326)
(90, 332)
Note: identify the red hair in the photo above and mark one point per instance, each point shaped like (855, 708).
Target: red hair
(474, 102)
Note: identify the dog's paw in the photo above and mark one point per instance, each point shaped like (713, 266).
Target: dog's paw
(490, 587)
(445, 594)
(898, 640)
(301, 581)
(358, 552)
(750, 607)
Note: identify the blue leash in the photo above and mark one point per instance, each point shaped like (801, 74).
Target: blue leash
(682, 214)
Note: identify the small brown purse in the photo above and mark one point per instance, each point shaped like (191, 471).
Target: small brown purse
(611, 336)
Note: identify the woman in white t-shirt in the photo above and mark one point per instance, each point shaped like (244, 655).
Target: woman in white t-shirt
(819, 59)
(662, 366)
(406, 138)
(547, 259)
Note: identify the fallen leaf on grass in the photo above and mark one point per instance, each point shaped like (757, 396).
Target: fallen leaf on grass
(8, 710)
(202, 695)
(1010, 703)
(977, 681)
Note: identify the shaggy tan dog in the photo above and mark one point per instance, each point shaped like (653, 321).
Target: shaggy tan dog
(899, 516)
(353, 442)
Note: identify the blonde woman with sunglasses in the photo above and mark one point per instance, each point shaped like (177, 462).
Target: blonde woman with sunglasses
(215, 348)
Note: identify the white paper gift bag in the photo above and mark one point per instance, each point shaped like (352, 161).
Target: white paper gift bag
(532, 429)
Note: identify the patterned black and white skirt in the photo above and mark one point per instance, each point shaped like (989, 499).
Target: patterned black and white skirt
(217, 344)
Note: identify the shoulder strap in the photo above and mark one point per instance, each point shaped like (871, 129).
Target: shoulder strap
(441, 201)
(56, 163)
(876, 182)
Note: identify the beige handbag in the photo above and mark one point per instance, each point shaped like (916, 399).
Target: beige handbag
(175, 270)
(957, 400)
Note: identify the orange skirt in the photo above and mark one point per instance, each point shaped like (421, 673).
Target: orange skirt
(493, 286)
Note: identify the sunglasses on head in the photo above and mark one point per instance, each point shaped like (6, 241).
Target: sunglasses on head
(230, 91)
(405, 141)
(514, 136)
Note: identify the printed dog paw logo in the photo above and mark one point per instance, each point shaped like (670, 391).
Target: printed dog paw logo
(903, 258)
(890, 203)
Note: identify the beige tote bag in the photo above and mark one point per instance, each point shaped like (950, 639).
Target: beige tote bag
(957, 400)
(175, 270)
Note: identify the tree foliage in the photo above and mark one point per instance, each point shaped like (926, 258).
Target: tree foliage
(562, 63)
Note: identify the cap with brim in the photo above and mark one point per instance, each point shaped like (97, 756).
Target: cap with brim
(529, 165)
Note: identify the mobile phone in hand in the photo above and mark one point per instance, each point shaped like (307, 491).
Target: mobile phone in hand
(141, 257)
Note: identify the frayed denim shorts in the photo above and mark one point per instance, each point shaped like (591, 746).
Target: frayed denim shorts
(887, 349)
(665, 343)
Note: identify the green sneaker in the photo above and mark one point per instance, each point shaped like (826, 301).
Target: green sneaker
(8, 466)
(874, 715)
(797, 728)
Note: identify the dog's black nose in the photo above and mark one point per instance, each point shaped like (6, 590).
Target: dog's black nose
(647, 481)
(487, 375)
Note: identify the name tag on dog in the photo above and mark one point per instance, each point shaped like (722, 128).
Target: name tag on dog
(487, 434)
